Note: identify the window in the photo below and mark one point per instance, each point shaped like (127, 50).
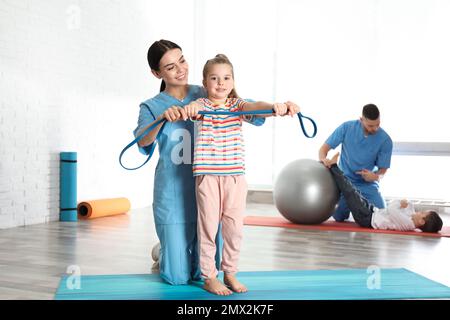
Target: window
(333, 57)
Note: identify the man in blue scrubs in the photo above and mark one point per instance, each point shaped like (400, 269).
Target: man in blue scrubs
(365, 156)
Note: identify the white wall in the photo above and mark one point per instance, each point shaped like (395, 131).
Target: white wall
(326, 61)
(336, 56)
(248, 38)
(413, 68)
(72, 76)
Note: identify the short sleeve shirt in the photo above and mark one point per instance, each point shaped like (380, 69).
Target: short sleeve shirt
(359, 151)
(219, 146)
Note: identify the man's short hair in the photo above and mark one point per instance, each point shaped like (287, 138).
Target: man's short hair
(371, 112)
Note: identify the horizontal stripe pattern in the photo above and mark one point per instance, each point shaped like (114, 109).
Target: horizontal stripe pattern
(219, 146)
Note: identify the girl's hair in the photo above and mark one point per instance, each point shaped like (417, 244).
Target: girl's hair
(156, 52)
(220, 59)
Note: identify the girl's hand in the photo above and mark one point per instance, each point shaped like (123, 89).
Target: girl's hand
(292, 108)
(192, 109)
(174, 113)
(279, 109)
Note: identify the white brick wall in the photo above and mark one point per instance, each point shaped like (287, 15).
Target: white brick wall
(72, 75)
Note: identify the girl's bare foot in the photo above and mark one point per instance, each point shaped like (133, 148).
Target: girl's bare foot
(214, 285)
(231, 281)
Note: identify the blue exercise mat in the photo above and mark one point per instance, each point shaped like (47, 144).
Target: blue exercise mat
(68, 186)
(346, 284)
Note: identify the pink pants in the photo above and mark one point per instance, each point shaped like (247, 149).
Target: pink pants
(220, 198)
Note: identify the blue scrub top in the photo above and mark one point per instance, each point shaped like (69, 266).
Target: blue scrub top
(359, 152)
(174, 185)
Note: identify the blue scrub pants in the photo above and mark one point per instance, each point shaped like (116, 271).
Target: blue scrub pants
(178, 258)
(367, 191)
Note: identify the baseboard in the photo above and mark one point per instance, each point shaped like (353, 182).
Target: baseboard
(260, 196)
(265, 196)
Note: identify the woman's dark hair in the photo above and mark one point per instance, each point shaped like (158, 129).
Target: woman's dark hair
(433, 223)
(156, 52)
(371, 112)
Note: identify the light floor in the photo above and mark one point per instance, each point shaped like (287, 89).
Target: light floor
(33, 258)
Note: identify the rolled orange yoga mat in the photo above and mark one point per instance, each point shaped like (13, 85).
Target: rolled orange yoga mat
(102, 208)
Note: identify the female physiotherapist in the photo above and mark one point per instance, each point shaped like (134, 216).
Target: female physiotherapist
(174, 203)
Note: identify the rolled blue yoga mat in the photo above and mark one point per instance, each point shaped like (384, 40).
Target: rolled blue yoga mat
(68, 186)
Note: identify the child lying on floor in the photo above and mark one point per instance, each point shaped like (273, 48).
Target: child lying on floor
(399, 215)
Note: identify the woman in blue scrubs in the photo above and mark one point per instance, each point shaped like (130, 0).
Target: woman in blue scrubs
(174, 203)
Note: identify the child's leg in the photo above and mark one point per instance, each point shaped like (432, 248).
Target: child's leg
(234, 198)
(219, 247)
(209, 207)
(360, 208)
(196, 273)
(372, 194)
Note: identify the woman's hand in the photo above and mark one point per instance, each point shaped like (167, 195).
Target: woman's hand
(175, 113)
(279, 109)
(292, 108)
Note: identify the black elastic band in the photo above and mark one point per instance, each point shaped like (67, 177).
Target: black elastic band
(70, 161)
(67, 209)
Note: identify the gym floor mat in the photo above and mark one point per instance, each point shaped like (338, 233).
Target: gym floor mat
(341, 284)
(333, 226)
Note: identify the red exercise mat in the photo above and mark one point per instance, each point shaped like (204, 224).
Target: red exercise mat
(333, 226)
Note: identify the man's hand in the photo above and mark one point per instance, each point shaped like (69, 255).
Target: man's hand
(329, 162)
(368, 175)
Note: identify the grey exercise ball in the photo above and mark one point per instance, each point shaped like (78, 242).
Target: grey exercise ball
(305, 192)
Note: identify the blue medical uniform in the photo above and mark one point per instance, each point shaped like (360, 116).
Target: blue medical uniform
(174, 202)
(360, 152)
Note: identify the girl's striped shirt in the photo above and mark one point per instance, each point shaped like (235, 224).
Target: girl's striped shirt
(219, 145)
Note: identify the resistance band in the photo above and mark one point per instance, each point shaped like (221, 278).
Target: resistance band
(235, 113)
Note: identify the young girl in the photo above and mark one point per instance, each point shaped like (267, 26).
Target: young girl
(218, 167)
